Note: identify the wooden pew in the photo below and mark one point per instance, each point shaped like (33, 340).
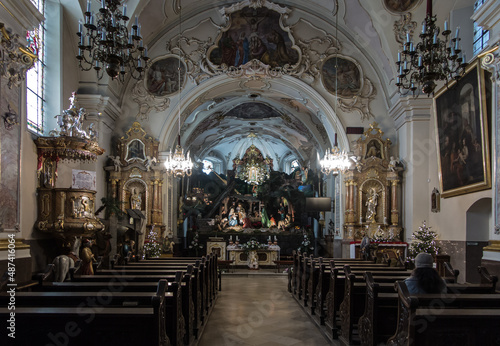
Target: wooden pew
(353, 304)
(339, 286)
(78, 324)
(379, 320)
(319, 278)
(458, 319)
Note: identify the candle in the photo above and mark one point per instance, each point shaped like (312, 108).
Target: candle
(88, 5)
(91, 19)
(124, 10)
(130, 39)
(103, 37)
(237, 238)
(456, 44)
(398, 81)
(411, 46)
(458, 30)
(139, 62)
(80, 26)
(420, 61)
(139, 30)
(434, 40)
(424, 27)
(97, 64)
(399, 56)
(136, 20)
(231, 238)
(445, 25)
(103, 3)
(464, 59)
(408, 37)
(275, 239)
(146, 52)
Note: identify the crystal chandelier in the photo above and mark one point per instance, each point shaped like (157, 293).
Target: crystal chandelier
(335, 161)
(432, 59)
(178, 164)
(105, 42)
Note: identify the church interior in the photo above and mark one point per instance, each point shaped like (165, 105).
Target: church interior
(204, 139)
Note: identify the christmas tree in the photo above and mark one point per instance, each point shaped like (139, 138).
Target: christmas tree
(152, 248)
(424, 240)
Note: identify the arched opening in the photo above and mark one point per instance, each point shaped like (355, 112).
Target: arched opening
(479, 222)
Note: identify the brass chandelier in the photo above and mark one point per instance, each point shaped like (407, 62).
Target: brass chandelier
(106, 44)
(432, 59)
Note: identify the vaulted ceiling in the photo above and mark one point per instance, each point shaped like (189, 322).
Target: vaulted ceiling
(290, 115)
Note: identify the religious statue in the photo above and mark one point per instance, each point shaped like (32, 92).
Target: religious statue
(393, 162)
(149, 162)
(371, 204)
(135, 200)
(253, 260)
(373, 151)
(116, 162)
(87, 258)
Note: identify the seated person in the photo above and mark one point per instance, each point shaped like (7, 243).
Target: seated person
(424, 278)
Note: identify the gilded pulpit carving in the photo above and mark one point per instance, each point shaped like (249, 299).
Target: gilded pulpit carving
(373, 189)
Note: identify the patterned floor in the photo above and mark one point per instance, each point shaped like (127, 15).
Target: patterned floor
(255, 308)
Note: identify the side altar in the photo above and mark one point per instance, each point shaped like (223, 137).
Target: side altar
(373, 192)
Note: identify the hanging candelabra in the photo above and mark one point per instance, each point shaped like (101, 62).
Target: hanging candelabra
(105, 42)
(178, 164)
(432, 59)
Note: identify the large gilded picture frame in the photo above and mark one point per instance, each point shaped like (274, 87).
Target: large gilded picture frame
(462, 111)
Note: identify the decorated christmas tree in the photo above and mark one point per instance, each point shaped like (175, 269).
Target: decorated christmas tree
(424, 240)
(152, 247)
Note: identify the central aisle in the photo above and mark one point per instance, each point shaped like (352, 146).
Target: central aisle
(257, 309)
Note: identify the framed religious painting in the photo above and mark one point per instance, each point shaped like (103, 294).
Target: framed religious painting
(462, 113)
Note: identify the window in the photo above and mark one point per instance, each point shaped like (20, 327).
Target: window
(480, 36)
(35, 100)
(294, 165)
(207, 166)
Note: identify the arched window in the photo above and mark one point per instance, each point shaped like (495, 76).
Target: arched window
(35, 100)
(207, 166)
(480, 36)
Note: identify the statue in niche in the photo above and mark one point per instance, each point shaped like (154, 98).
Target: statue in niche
(373, 150)
(135, 200)
(371, 204)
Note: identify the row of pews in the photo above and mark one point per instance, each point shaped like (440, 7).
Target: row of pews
(360, 302)
(163, 301)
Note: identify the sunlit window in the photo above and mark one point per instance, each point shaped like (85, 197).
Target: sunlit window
(207, 166)
(35, 76)
(294, 165)
(480, 36)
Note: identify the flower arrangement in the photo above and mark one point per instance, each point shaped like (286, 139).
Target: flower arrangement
(306, 245)
(195, 243)
(252, 245)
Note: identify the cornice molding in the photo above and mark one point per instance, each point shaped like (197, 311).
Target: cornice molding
(408, 109)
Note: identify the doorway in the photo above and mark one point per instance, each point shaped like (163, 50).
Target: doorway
(479, 223)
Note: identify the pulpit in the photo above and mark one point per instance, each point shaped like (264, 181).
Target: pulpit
(372, 198)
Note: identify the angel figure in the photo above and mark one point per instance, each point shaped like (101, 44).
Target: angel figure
(116, 162)
(357, 162)
(393, 162)
(149, 162)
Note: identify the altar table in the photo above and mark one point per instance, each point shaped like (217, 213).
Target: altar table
(265, 256)
(397, 245)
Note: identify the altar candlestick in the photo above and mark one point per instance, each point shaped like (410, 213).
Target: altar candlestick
(231, 238)
(275, 239)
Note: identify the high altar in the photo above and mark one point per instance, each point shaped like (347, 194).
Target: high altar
(373, 191)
